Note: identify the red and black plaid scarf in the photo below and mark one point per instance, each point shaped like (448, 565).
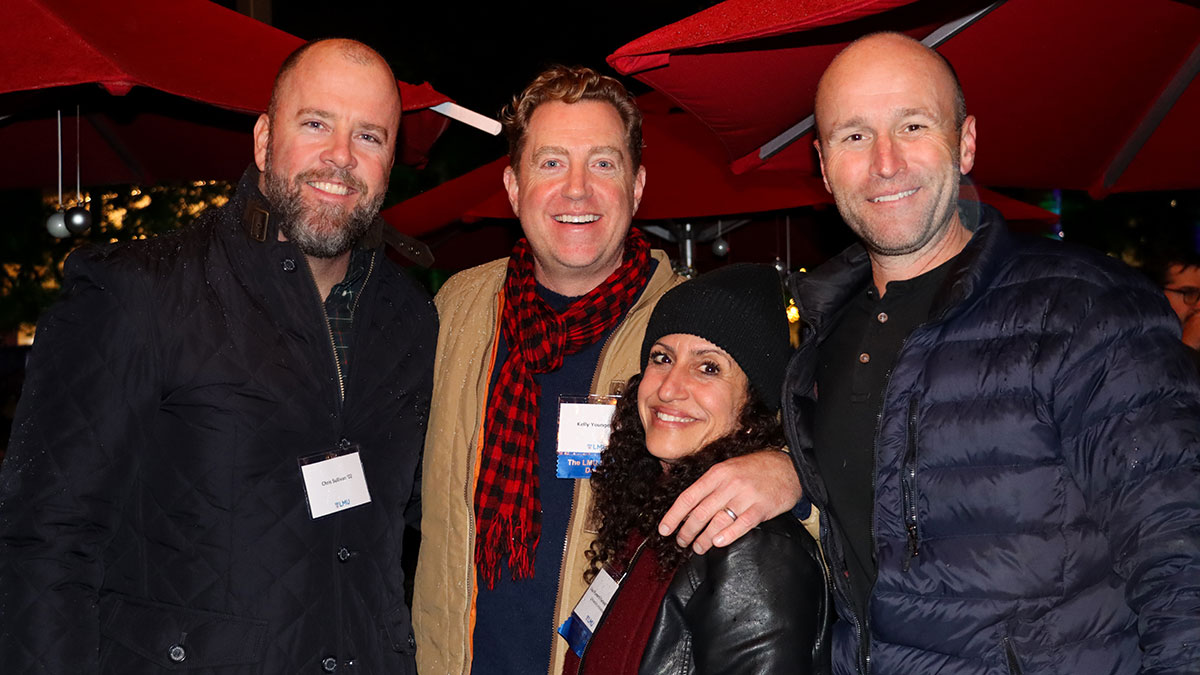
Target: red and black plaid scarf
(508, 509)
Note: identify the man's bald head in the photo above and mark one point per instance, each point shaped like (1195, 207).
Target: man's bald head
(352, 51)
(889, 45)
(327, 144)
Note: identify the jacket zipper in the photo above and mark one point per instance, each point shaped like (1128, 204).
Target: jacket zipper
(337, 362)
(358, 298)
(908, 483)
(838, 569)
(469, 492)
(562, 569)
(613, 600)
(575, 493)
(343, 443)
(1014, 666)
(562, 564)
(864, 628)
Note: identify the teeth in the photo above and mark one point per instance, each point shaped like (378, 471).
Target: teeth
(577, 220)
(332, 188)
(892, 198)
(672, 418)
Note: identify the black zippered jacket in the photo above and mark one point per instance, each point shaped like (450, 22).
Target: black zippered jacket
(152, 511)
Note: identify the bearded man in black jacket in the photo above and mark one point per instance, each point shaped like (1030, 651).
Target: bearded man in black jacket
(219, 442)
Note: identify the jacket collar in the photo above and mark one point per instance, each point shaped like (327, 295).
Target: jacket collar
(261, 221)
(827, 289)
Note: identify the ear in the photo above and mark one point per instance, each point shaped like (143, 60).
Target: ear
(639, 185)
(966, 146)
(821, 161)
(513, 188)
(262, 139)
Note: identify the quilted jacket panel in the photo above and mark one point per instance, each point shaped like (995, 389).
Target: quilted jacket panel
(151, 498)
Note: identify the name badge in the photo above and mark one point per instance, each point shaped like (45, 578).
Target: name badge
(584, 423)
(334, 481)
(578, 628)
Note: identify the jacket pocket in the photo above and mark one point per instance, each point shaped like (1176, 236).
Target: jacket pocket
(398, 625)
(908, 486)
(176, 637)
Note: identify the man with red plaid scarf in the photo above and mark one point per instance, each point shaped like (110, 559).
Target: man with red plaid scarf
(503, 538)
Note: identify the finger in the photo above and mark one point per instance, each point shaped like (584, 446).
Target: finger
(746, 521)
(701, 519)
(683, 505)
(712, 493)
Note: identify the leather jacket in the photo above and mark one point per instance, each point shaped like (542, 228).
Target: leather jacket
(758, 606)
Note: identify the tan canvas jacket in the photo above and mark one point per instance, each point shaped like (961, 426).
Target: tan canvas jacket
(469, 306)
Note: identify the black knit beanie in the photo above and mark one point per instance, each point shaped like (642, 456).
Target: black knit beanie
(740, 309)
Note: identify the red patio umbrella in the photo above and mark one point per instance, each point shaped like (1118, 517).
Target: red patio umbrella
(687, 177)
(53, 53)
(1078, 94)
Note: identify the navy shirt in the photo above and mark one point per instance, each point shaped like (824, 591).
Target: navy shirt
(514, 622)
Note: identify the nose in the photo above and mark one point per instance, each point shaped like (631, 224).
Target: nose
(339, 151)
(674, 385)
(887, 158)
(577, 185)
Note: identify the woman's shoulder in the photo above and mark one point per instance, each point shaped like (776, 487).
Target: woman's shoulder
(781, 533)
(780, 543)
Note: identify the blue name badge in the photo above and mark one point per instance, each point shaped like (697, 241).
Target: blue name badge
(584, 423)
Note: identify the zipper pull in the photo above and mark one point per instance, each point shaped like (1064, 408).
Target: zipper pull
(912, 548)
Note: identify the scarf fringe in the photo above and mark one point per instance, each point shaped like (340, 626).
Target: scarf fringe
(501, 538)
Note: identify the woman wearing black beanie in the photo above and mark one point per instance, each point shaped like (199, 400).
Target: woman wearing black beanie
(713, 360)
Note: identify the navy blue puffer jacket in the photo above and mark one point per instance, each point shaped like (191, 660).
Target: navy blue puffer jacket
(1037, 470)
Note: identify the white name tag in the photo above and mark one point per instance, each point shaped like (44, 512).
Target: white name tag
(334, 481)
(584, 424)
(578, 628)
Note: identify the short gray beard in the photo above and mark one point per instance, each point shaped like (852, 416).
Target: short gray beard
(323, 231)
(934, 221)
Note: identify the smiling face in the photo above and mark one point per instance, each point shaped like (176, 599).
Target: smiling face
(575, 191)
(890, 151)
(327, 151)
(692, 393)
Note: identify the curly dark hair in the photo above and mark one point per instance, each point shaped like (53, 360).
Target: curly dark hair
(632, 492)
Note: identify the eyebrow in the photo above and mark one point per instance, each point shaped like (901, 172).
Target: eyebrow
(915, 112)
(560, 150)
(697, 352)
(380, 130)
(859, 121)
(852, 123)
(607, 150)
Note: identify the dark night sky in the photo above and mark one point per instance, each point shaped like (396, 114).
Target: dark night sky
(480, 54)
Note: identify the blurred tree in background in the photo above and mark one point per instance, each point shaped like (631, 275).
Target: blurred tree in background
(31, 260)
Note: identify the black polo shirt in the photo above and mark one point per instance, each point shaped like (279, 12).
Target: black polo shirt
(854, 363)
